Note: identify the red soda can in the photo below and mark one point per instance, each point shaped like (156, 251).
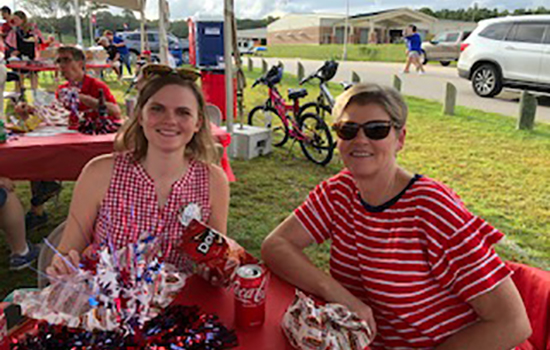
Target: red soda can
(250, 287)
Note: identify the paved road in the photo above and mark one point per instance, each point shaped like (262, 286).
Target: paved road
(429, 86)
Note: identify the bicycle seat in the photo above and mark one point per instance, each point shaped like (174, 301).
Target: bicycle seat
(294, 94)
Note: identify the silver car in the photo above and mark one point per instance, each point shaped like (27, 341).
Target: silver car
(445, 47)
(177, 47)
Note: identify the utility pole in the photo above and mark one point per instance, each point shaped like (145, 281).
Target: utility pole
(346, 24)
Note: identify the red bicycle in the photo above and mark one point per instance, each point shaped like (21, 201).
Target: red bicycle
(285, 120)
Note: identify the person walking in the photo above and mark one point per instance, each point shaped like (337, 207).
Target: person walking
(414, 49)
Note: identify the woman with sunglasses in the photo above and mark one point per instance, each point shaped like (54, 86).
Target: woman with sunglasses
(406, 254)
(161, 176)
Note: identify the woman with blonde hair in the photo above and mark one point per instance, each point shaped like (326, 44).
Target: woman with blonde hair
(162, 168)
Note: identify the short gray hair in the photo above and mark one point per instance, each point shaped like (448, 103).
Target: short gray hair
(363, 94)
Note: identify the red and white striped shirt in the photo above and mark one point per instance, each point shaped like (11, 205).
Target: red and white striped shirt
(131, 207)
(415, 260)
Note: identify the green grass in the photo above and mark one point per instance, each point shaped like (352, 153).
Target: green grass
(380, 52)
(500, 173)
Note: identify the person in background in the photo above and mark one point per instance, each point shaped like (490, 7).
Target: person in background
(406, 254)
(414, 49)
(113, 56)
(163, 166)
(23, 253)
(24, 38)
(119, 43)
(71, 63)
(6, 26)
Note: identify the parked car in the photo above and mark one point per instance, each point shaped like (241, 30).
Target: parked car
(445, 47)
(507, 52)
(179, 48)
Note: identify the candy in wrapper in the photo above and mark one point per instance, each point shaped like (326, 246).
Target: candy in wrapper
(309, 326)
(209, 248)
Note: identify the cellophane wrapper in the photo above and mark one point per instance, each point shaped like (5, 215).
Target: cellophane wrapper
(309, 326)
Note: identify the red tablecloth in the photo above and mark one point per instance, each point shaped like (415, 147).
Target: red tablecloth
(50, 67)
(221, 302)
(62, 157)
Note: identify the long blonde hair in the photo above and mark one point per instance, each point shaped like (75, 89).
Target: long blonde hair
(131, 137)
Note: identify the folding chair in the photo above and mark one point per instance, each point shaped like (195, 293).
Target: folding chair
(214, 114)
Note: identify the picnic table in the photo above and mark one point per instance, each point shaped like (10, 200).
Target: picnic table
(48, 67)
(62, 156)
(220, 301)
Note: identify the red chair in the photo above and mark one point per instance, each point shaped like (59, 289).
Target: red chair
(534, 286)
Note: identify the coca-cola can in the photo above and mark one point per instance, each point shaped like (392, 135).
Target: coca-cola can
(250, 287)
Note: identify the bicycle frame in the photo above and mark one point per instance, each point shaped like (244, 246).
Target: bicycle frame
(280, 105)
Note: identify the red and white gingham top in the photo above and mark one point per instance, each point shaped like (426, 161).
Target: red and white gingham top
(131, 207)
(416, 260)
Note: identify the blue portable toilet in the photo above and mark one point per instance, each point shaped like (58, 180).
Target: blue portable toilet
(209, 42)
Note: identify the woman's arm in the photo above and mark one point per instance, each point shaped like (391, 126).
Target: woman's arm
(88, 193)
(283, 252)
(219, 199)
(503, 322)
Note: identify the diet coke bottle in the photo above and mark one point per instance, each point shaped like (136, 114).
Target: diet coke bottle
(250, 287)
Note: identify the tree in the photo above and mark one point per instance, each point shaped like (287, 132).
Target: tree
(48, 8)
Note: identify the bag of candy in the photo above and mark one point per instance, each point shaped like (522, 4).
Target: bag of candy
(309, 326)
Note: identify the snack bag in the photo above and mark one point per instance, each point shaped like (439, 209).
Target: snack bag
(208, 248)
(309, 326)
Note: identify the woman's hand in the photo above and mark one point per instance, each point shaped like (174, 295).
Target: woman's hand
(365, 313)
(64, 265)
(7, 184)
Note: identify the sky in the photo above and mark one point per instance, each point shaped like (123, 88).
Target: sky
(181, 9)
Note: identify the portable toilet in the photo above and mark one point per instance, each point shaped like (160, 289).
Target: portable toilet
(209, 42)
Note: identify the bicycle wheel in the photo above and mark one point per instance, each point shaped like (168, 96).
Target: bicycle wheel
(267, 117)
(317, 144)
(322, 111)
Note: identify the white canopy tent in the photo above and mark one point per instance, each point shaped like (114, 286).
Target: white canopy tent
(134, 5)
(139, 5)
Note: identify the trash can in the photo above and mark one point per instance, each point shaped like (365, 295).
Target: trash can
(213, 88)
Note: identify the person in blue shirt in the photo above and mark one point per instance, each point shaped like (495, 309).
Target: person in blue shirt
(123, 51)
(414, 49)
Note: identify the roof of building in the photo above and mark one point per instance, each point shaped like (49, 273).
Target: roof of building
(256, 33)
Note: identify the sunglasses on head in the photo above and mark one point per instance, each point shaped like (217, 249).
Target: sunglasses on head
(374, 130)
(161, 70)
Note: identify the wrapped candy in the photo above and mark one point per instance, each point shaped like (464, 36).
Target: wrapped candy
(210, 249)
(309, 326)
(118, 290)
(179, 327)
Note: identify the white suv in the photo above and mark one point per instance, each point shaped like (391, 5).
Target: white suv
(507, 52)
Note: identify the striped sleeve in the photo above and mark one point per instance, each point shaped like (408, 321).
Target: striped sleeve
(315, 213)
(460, 248)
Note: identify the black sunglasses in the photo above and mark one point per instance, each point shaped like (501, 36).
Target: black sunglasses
(374, 130)
(152, 70)
(63, 60)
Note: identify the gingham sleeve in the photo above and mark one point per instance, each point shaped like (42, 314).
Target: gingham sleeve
(314, 213)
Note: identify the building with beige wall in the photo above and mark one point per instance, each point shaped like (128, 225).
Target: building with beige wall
(374, 27)
(302, 29)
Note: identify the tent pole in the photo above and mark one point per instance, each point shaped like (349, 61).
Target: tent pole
(78, 24)
(90, 15)
(142, 25)
(228, 60)
(163, 47)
